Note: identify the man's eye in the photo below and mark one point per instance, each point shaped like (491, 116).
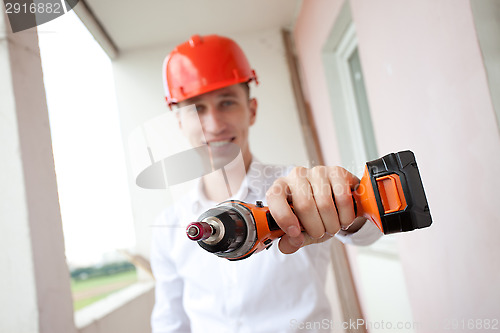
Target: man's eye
(199, 108)
(227, 103)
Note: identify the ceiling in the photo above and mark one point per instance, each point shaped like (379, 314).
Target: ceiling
(127, 25)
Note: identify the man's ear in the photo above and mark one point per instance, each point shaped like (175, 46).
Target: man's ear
(252, 104)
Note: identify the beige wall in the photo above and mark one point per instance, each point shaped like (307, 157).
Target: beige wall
(428, 92)
(487, 20)
(313, 25)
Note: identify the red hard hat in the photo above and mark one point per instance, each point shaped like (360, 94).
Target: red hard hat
(203, 64)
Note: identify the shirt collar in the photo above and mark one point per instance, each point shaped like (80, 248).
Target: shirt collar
(251, 185)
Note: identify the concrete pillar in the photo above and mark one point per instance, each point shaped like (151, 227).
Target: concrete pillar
(35, 285)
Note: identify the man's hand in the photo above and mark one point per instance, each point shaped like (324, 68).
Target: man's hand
(322, 205)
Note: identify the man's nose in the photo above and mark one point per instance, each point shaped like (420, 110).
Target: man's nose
(212, 120)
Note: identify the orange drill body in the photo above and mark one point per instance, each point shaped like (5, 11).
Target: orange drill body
(267, 229)
(390, 194)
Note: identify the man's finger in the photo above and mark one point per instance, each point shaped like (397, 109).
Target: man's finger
(343, 182)
(323, 196)
(304, 204)
(288, 245)
(277, 200)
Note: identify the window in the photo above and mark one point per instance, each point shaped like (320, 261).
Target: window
(89, 160)
(350, 103)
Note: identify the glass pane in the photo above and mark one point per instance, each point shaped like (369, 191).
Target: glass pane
(362, 105)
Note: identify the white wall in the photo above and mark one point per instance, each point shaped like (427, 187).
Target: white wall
(275, 138)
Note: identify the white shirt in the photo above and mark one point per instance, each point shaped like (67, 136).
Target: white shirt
(196, 291)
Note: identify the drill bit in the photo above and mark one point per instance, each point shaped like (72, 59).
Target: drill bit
(199, 231)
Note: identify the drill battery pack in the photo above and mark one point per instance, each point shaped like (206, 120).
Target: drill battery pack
(395, 198)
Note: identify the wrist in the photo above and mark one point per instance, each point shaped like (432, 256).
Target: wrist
(354, 226)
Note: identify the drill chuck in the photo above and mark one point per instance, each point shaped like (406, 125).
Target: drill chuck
(227, 230)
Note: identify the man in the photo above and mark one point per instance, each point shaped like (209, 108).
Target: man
(197, 291)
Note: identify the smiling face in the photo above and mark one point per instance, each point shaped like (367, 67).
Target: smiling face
(225, 116)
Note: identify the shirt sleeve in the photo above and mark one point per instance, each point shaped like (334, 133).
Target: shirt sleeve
(168, 313)
(366, 235)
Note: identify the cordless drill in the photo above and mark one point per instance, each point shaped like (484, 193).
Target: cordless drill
(390, 194)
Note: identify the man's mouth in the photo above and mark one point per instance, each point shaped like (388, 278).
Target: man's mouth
(219, 143)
